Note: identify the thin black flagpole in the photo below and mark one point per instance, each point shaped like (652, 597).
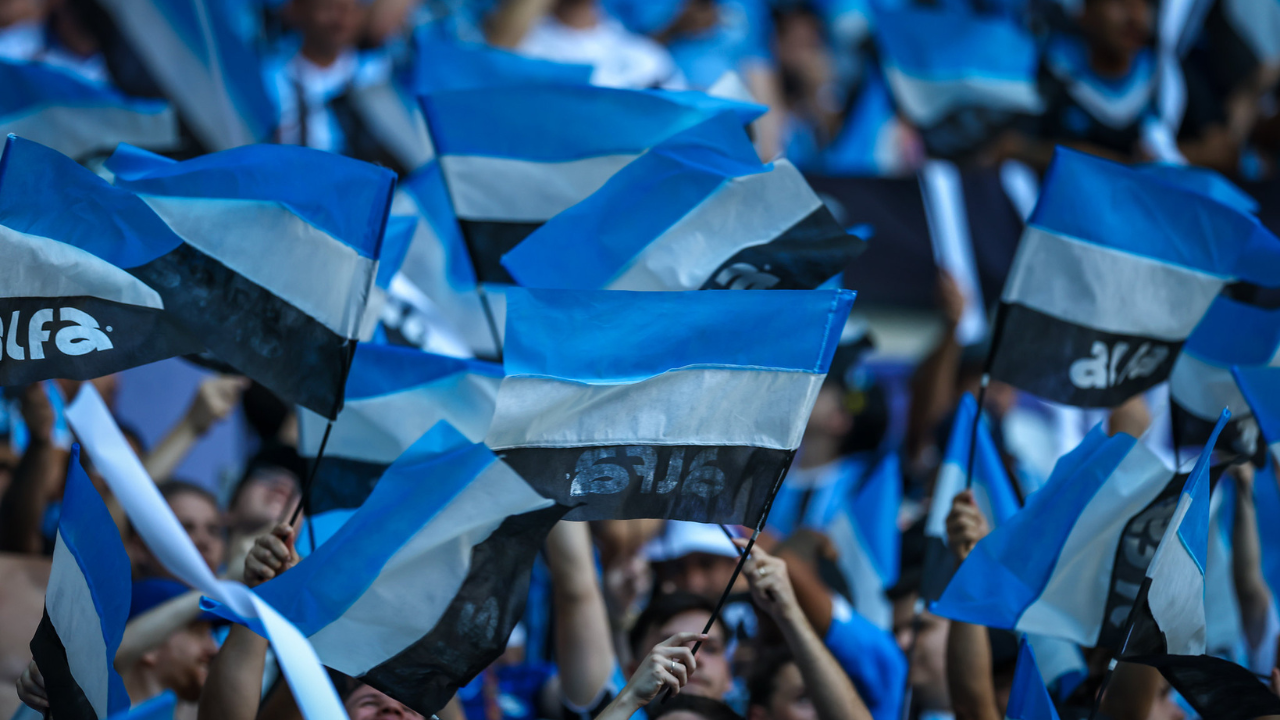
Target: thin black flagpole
(997, 329)
(305, 504)
(1124, 645)
(488, 314)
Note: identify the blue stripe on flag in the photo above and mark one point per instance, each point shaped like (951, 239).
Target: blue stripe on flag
(1234, 333)
(1261, 388)
(395, 245)
(1193, 531)
(32, 86)
(1028, 697)
(427, 187)
(1209, 183)
(385, 369)
(944, 45)
(440, 65)
(159, 707)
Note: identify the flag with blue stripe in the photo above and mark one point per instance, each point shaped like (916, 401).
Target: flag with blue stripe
(393, 396)
(1168, 617)
(1058, 561)
(993, 491)
(513, 157)
(1028, 697)
(1114, 270)
(1209, 183)
(159, 707)
(685, 406)
(441, 64)
(77, 118)
(419, 590)
(396, 239)
(86, 605)
(698, 211)
(192, 51)
(1261, 388)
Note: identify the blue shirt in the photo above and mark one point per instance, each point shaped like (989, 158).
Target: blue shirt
(871, 658)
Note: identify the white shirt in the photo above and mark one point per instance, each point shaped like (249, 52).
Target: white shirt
(619, 58)
(295, 76)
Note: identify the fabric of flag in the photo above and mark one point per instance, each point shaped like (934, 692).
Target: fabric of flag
(1114, 270)
(1168, 618)
(419, 590)
(267, 253)
(1261, 388)
(159, 707)
(1028, 698)
(440, 64)
(393, 396)
(993, 491)
(685, 406)
(1232, 333)
(515, 156)
(1209, 183)
(86, 605)
(191, 50)
(1058, 561)
(77, 118)
(1061, 663)
(699, 211)
(1215, 688)
(396, 238)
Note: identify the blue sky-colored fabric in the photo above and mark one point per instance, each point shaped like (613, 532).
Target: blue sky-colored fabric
(440, 64)
(1235, 333)
(944, 45)
(1193, 531)
(159, 707)
(875, 512)
(988, 469)
(1028, 698)
(426, 186)
(873, 662)
(384, 369)
(1261, 388)
(29, 87)
(1209, 183)
(395, 245)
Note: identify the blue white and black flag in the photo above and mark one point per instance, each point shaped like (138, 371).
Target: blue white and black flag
(698, 211)
(1261, 388)
(393, 396)
(86, 605)
(1028, 698)
(440, 64)
(685, 406)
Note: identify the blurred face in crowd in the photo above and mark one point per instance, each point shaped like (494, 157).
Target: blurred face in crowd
(789, 701)
(698, 573)
(713, 677)
(181, 662)
(8, 463)
(366, 703)
(1164, 708)
(264, 499)
(929, 663)
(202, 521)
(1117, 29)
(328, 26)
(829, 418)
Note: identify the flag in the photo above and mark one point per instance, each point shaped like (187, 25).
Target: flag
(1216, 689)
(440, 65)
(513, 157)
(698, 211)
(1261, 388)
(190, 49)
(992, 490)
(159, 707)
(1061, 663)
(1069, 564)
(1028, 697)
(77, 118)
(396, 238)
(1209, 183)
(685, 406)
(393, 396)
(863, 527)
(419, 590)
(1114, 270)
(86, 605)
(1231, 333)
(1168, 617)
(271, 253)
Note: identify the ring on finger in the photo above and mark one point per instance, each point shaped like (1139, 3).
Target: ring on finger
(761, 572)
(673, 665)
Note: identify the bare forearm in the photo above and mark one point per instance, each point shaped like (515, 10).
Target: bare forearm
(234, 686)
(969, 679)
(1246, 559)
(1131, 692)
(169, 453)
(932, 389)
(829, 687)
(508, 25)
(584, 646)
(23, 506)
(152, 628)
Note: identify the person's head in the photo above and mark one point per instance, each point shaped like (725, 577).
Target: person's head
(363, 702)
(1165, 707)
(1117, 29)
(928, 678)
(691, 707)
(776, 689)
(906, 592)
(692, 557)
(181, 662)
(267, 489)
(829, 417)
(197, 510)
(680, 612)
(328, 27)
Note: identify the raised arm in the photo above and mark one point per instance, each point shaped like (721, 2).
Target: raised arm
(969, 677)
(584, 646)
(36, 480)
(1246, 559)
(933, 384)
(215, 399)
(668, 666)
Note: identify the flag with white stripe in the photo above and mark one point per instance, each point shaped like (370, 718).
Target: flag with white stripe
(444, 64)
(992, 490)
(1168, 617)
(1114, 270)
(419, 590)
(698, 211)
(513, 157)
(685, 406)
(191, 50)
(77, 118)
(393, 396)
(1260, 387)
(1071, 561)
(1028, 697)
(396, 238)
(86, 605)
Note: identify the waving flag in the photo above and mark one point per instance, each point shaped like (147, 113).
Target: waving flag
(1215, 688)
(513, 157)
(419, 590)
(159, 707)
(1114, 270)
(864, 530)
(1028, 698)
(396, 238)
(686, 406)
(1261, 388)
(992, 490)
(440, 65)
(394, 395)
(1059, 560)
(77, 118)
(1209, 183)
(86, 606)
(191, 50)
(698, 211)
(1168, 617)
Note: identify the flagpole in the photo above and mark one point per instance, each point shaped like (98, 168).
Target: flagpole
(488, 314)
(324, 441)
(997, 329)
(1124, 645)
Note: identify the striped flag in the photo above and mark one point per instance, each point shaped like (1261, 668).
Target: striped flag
(1261, 388)
(698, 211)
(396, 238)
(86, 606)
(77, 118)
(514, 157)
(393, 396)
(419, 590)
(685, 406)
(1028, 698)
(1114, 270)
(440, 64)
(992, 490)
(159, 707)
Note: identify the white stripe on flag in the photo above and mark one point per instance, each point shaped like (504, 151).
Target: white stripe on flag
(1204, 389)
(272, 247)
(743, 212)
(79, 131)
(757, 408)
(406, 601)
(69, 602)
(1176, 595)
(865, 583)
(928, 101)
(39, 267)
(1105, 289)
(509, 190)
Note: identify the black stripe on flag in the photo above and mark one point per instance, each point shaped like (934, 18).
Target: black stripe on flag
(488, 241)
(67, 700)
(808, 254)
(939, 566)
(1073, 364)
(265, 337)
(1134, 552)
(87, 337)
(704, 483)
(1144, 636)
(343, 483)
(1218, 689)
(1240, 436)
(474, 629)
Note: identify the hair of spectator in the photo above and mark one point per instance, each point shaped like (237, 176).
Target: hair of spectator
(763, 675)
(704, 707)
(661, 609)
